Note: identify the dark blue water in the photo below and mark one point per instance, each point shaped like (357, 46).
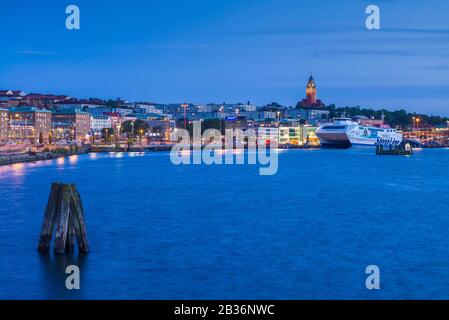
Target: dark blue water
(159, 231)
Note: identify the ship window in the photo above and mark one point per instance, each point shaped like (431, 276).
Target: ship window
(334, 127)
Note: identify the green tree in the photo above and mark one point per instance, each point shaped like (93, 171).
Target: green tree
(218, 124)
(107, 134)
(137, 125)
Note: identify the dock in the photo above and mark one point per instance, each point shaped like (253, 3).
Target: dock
(400, 150)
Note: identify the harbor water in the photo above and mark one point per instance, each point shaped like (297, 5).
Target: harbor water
(160, 231)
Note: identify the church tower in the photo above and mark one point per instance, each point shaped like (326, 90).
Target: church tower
(311, 92)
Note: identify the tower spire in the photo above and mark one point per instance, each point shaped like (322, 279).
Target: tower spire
(311, 91)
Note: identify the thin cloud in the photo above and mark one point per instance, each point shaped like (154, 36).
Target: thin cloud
(35, 52)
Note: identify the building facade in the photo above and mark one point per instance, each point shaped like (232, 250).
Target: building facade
(100, 122)
(30, 123)
(75, 123)
(291, 135)
(4, 125)
(267, 135)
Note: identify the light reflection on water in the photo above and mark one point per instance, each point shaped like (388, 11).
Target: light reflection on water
(73, 159)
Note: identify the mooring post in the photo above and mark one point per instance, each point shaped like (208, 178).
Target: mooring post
(70, 243)
(63, 221)
(64, 213)
(79, 225)
(49, 218)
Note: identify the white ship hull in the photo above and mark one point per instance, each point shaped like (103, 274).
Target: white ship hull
(344, 133)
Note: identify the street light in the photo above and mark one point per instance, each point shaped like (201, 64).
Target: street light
(118, 131)
(219, 117)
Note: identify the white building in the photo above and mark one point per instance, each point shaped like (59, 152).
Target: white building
(250, 108)
(205, 108)
(265, 135)
(148, 108)
(123, 111)
(267, 115)
(290, 135)
(76, 106)
(100, 122)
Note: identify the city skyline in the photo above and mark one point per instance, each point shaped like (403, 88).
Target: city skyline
(204, 52)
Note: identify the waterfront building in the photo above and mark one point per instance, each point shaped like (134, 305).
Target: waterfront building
(100, 122)
(309, 135)
(161, 130)
(76, 123)
(291, 135)
(116, 119)
(30, 122)
(265, 135)
(4, 125)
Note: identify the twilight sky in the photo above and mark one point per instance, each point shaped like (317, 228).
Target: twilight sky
(231, 51)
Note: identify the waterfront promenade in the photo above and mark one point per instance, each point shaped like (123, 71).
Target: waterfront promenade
(13, 158)
(32, 157)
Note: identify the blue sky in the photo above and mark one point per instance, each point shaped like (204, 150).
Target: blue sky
(231, 51)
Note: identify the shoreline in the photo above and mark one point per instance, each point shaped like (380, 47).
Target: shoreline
(43, 156)
(40, 156)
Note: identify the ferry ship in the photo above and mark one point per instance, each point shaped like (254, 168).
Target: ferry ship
(345, 133)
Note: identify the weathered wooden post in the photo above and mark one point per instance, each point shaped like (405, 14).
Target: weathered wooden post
(78, 223)
(65, 213)
(49, 218)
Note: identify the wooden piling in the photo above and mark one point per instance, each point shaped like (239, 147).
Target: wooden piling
(64, 213)
(49, 218)
(79, 225)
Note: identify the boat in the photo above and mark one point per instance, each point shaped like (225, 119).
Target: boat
(345, 133)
